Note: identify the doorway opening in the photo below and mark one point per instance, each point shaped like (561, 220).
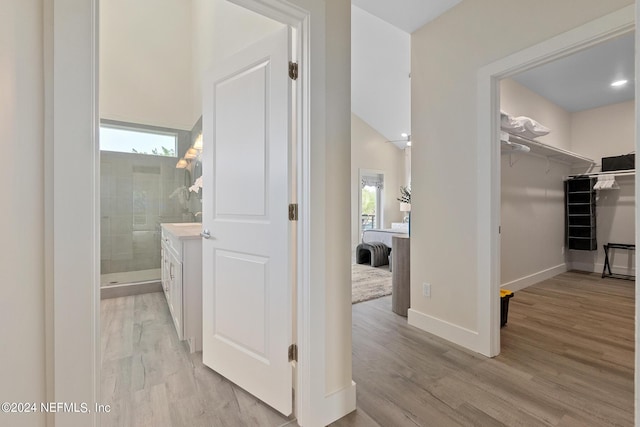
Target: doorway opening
(561, 203)
(380, 148)
(156, 192)
(491, 78)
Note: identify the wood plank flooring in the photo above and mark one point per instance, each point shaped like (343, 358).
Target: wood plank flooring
(567, 360)
(150, 379)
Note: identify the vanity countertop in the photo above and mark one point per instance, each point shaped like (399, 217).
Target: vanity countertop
(183, 230)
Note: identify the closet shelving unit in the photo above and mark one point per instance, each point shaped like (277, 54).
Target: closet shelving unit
(580, 218)
(547, 151)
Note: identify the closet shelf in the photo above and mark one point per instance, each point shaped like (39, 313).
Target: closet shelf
(541, 149)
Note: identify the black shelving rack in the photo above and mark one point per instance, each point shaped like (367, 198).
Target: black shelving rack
(580, 214)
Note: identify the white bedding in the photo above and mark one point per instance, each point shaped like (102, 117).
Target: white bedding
(382, 235)
(522, 126)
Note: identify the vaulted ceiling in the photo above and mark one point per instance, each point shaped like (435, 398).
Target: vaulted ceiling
(381, 61)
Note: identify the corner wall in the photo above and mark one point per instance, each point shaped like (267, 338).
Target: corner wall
(22, 264)
(517, 100)
(444, 119)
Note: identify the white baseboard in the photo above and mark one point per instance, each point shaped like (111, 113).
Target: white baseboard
(443, 329)
(598, 267)
(532, 279)
(339, 403)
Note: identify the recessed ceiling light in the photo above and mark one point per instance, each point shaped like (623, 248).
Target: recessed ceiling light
(619, 83)
(404, 134)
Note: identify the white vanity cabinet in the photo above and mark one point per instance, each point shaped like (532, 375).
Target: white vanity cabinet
(182, 279)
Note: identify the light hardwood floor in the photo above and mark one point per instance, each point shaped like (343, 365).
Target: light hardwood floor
(567, 360)
(150, 379)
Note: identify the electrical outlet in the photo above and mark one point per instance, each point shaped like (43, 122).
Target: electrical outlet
(426, 290)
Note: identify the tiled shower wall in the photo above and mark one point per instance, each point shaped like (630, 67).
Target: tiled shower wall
(137, 193)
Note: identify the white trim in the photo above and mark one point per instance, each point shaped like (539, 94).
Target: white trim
(637, 239)
(532, 279)
(73, 166)
(48, 208)
(339, 403)
(488, 179)
(597, 267)
(441, 328)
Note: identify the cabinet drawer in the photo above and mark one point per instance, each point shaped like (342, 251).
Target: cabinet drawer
(172, 244)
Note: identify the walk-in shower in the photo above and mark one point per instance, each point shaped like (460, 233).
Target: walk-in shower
(140, 189)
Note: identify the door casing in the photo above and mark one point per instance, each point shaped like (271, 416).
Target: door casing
(488, 178)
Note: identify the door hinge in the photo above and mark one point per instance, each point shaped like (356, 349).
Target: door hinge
(293, 212)
(293, 353)
(293, 70)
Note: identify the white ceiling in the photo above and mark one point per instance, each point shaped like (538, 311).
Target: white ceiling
(582, 81)
(380, 68)
(407, 15)
(381, 60)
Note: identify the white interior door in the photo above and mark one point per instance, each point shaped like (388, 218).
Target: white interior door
(247, 309)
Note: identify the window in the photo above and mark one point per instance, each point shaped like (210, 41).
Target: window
(369, 207)
(141, 141)
(371, 200)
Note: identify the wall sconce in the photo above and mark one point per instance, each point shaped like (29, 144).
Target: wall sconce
(191, 154)
(198, 143)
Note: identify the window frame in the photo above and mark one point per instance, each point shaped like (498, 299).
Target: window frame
(139, 129)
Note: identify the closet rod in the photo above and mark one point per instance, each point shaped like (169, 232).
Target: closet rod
(627, 172)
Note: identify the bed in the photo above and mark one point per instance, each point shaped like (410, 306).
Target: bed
(383, 235)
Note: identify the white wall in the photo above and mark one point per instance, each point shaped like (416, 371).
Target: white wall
(444, 86)
(380, 68)
(532, 238)
(518, 100)
(221, 28)
(333, 199)
(532, 195)
(145, 62)
(597, 133)
(371, 151)
(22, 361)
(603, 132)
(532, 220)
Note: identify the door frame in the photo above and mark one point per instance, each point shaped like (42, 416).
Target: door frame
(298, 20)
(72, 171)
(488, 178)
